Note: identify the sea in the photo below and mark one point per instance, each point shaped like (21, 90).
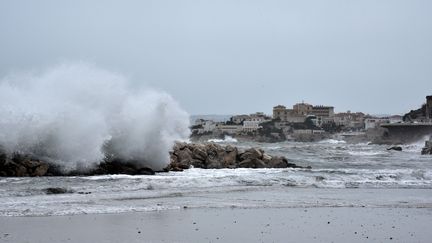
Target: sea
(342, 175)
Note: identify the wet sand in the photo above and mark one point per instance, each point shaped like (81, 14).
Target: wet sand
(321, 224)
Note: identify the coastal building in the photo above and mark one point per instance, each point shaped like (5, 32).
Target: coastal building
(228, 129)
(303, 109)
(203, 126)
(279, 112)
(239, 119)
(323, 111)
(395, 119)
(251, 126)
(350, 120)
(373, 122)
(300, 111)
(308, 131)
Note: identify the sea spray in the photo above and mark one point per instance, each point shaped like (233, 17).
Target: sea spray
(66, 114)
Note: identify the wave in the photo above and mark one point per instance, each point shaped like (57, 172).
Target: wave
(68, 113)
(227, 139)
(332, 141)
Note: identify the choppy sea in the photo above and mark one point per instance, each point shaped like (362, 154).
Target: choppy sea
(342, 175)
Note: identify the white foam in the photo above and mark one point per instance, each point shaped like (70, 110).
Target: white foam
(227, 139)
(68, 112)
(332, 141)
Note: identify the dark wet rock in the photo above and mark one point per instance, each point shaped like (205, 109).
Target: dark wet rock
(118, 166)
(278, 162)
(56, 190)
(427, 148)
(395, 148)
(21, 165)
(40, 170)
(199, 153)
(215, 156)
(252, 163)
(252, 153)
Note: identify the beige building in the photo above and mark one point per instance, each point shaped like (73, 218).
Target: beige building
(287, 115)
(303, 109)
(323, 111)
(300, 111)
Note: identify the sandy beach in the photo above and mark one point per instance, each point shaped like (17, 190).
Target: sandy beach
(323, 224)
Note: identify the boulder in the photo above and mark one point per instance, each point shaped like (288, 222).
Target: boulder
(199, 153)
(2, 159)
(230, 159)
(41, 170)
(278, 162)
(56, 190)
(214, 163)
(184, 156)
(252, 163)
(395, 148)
(21, 171)
(252, 153)
(266, 158)
(427, 148)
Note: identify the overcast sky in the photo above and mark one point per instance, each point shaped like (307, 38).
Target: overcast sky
(232, 56)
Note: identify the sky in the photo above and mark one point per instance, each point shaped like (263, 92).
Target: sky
(236, 56)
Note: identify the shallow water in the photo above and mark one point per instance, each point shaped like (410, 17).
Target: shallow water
(342, 174)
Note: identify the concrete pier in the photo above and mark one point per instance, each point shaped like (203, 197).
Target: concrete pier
(407, 132)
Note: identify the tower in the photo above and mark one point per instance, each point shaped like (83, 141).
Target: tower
(429, 107)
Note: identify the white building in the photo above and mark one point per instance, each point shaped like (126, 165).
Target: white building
(251, 126)
(204, 126)
(371, 123)
(229, 129)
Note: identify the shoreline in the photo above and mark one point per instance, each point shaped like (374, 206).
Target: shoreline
(320, 224)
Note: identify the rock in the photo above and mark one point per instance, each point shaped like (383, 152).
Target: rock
(197, 163)
(427, 148)
(41, 170)
(215, 156)
(184, 158)
(252, 153)
(426, 151)
(56, 190)
(199, 153)
(396, 148)
(278, 162)
(2, 159)
(252, 163)
(145, 171)
(230, 159)
(214, 163)
(118, 166)
(266, 158)
(21, 171)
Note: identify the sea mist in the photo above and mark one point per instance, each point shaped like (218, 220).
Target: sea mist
(66, 115)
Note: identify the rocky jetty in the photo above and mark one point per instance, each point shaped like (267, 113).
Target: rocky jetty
(19, 165)
(183, 156)
(215, 156)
